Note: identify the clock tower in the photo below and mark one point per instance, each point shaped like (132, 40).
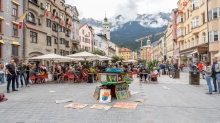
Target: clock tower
(106, 28)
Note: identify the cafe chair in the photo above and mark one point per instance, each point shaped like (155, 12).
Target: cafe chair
(84, 77)
(71, 76)
(32, 78)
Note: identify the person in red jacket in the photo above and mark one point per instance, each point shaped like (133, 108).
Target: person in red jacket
(200, 68)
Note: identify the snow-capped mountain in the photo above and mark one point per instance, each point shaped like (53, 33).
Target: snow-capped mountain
(128, 30)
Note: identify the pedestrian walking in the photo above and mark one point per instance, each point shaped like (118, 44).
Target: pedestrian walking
(217, 70)
(208, 74)
(17, 76)
(214, 74)
(22, 70)
(200, 68)
(10, 69)
(190, 64)
(2, 74)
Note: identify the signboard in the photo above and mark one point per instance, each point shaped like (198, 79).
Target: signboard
(128, 105)
(99, 107)
(105, 96)
(202, 49)
(121, 91)
(76, 106)
(96, 93)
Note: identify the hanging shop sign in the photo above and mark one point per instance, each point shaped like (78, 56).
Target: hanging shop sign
(202, 49)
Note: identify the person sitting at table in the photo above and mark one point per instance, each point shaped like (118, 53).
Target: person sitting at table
(125, 68)
(153, 75)
(65, 74)
(143, 72)
(91, 70)
(32, 72)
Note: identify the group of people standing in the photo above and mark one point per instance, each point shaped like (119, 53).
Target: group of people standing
(13, 72)
(208, 71)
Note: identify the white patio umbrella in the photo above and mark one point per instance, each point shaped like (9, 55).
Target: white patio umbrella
(51, 56)
(132, 60)
(85, 55)
(217, 55)
(69, 60)
(102, 57)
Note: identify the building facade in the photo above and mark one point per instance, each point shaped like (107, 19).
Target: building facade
(11, 35)
(125, 53)
(169, 43)
(192, 30)
(146, 52)
(176, 56)
(47, 28)
(85, 35)
(75, 29)
(101, 43)
(106, 28)
(213, 27)
(112, 49)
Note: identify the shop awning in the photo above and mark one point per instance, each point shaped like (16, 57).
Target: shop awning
(217, 55)
(1, 18)
(15, 43)
(16, 3)
(2, 42)
(16, 23)
(194, 52)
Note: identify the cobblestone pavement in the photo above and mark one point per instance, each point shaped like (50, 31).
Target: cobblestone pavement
(182, 103)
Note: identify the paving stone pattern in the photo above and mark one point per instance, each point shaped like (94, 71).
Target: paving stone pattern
(183, 103)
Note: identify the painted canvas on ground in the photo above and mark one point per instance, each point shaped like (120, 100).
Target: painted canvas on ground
(121, 91)
(140, 100)
(76, 106)
(129, 105)
(96, 93)
(100, 107)
(105, 96)
(63, 101)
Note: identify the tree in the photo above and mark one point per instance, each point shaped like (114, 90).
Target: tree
(81, 50)
(99, 52)
(121, 59)
(115, 59)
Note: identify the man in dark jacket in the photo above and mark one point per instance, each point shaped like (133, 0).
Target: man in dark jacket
(214, 73)
(10, 69)
(22, 69)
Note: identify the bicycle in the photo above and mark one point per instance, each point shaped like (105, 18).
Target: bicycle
(172, 73)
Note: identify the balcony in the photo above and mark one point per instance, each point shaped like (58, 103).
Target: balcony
(181, 25)
(195, 30)
(75, 41)
(181, 38)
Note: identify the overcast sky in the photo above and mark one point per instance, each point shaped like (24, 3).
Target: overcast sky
(128, 8)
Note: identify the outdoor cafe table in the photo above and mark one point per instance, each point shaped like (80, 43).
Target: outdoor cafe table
(39, 78)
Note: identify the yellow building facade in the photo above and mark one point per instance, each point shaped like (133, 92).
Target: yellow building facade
(214, 26)
(169, 43)
(192, 33)
(125, 53)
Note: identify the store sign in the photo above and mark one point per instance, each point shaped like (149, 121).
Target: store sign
(8, 38)
(202, 49)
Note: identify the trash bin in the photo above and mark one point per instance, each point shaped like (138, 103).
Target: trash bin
(177, 73)
(194, 78)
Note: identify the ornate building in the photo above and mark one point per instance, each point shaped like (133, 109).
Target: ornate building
(47, 28)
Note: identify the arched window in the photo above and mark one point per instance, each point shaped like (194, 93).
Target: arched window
(204, 37)
(197, 40)
(30, 17)
(54, 27)
(192, 42)
(34, 1)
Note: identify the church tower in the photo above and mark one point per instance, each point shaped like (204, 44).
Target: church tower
(106, 28)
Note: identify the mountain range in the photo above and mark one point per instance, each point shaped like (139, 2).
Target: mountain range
(124, 32)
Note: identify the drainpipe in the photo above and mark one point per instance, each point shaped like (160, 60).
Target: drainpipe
(208, 53)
